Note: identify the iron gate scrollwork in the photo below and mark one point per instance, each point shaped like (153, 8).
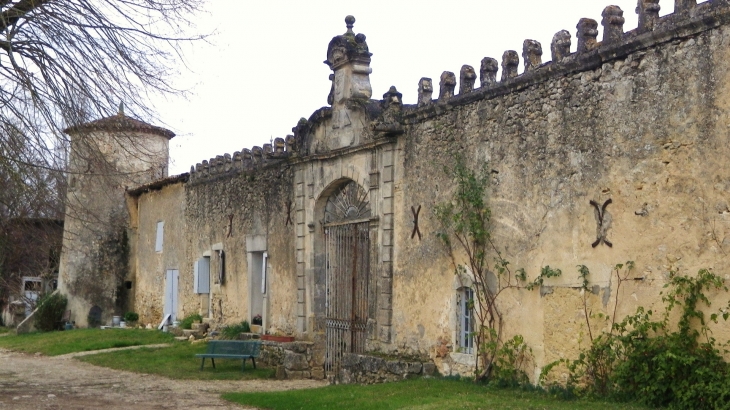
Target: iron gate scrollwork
(347, 238)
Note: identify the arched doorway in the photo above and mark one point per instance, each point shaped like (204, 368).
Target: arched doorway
(347, 275)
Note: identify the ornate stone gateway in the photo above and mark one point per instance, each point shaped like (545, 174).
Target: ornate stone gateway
(347, 239)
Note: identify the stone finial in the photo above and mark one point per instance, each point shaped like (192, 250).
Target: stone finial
(488, 71)
(447, 85)
(290, 143)
(219, 163)
(228, 162)
(684, 5)
(425, 91)
(279, 145)
(587, 33)
(648, 11)
(246, 157)
(198, 167)
(467, 78)
(237, 163)
(267, 148)
(613, 24)
(560, 46)
(205, 167)
(392, 99)
(510, 62)
(350, 23)
(532, 54)
(258, 155)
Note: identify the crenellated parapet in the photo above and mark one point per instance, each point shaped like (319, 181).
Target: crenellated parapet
(689, 18)
(244, 160)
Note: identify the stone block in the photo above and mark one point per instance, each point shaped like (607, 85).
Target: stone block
(395, 367)
(317, 373)
(372, 364)
(280, 373)
(414, 367)
(429, 369)
(294, 374)
(295, 361)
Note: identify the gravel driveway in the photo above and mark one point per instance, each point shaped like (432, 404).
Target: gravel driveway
(42, 382)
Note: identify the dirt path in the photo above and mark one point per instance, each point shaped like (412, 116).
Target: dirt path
(41, 382)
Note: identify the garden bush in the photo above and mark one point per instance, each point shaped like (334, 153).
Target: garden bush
(50, 312)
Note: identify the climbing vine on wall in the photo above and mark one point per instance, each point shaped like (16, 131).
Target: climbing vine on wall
(466, 234)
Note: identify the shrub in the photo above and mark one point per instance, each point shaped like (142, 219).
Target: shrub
(49, 312)
(660, 363)
(187, 322)
(231, 332)
(131, 317)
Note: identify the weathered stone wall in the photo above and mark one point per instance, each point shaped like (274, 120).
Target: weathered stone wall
(640, 119)
(294, 360)
(647, 130)
(147, 272)
(363, 369)
(225, 209)
(95, 254)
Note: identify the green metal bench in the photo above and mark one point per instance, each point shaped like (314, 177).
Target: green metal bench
(231, 349)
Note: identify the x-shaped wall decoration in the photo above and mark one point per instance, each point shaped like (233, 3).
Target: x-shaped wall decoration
(288, 214)
(603, 223)
(415, 222)
(230, 226)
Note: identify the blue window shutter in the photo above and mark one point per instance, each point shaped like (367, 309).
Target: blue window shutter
(160, 234)
(203, 280)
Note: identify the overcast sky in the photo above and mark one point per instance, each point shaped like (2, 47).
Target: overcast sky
(263, 68)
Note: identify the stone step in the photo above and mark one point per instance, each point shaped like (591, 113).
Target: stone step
(192, 332)
(201, 327)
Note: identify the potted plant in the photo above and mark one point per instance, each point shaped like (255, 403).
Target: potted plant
(256, 323)
(131, 318)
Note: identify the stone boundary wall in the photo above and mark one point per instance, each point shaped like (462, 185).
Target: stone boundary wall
(363, 369)
(294, 360)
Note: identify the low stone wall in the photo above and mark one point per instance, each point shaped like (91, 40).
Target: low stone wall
(294, 360)
(363, 369)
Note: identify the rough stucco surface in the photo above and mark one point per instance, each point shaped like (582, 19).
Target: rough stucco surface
(644, 124)
(166, 205)
(95, 248)
(648, 131)
(197, 217)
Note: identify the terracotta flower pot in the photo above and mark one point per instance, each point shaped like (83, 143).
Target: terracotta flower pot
(283, 339)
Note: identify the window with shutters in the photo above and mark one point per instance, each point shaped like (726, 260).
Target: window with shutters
(159, 237)
(201, 275)
(465, 320)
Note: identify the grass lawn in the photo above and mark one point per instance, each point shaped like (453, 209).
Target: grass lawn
(178, 362)
(4, 329)
(82, 340)
(414, 394)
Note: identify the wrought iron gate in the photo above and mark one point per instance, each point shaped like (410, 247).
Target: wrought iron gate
(347, 277)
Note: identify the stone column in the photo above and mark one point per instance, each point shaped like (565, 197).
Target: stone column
(648, 11)
(613, 24)
(587, 33)
(560, 46)
(681, 6)
(488, 71)
(510, 62)
(531, 54)
(446, 86)
(467, 78)
(425, 91)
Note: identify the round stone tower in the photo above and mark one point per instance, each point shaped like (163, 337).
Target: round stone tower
(108, 156)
